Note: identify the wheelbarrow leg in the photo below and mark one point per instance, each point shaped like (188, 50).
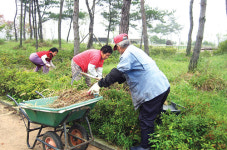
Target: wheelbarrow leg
(89, 127)
(66, 136)
(37, 137)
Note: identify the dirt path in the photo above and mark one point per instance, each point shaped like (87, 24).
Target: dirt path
(13, 132)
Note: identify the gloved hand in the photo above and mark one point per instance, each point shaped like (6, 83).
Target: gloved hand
(98, 78)
(94, 89)
(48, 65)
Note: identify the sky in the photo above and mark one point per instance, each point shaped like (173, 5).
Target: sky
(216, 19)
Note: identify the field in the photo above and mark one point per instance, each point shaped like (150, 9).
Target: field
(203, 93)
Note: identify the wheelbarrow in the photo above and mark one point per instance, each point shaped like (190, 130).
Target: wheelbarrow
(63, 121)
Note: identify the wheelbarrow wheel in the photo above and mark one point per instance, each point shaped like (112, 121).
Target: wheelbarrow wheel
(79, 131)
(53, 139)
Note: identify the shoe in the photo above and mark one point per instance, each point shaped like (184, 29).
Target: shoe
(138, 148)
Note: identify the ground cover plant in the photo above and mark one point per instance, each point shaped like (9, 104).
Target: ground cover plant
(201, 125)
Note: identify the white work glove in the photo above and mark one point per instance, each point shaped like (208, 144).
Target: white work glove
(48, 65)
(94, 89)
(99, 78)
(52, 65)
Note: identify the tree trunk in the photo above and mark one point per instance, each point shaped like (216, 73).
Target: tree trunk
(226, 6)
(21, 23)
(59, 23)
(188, 50)
(33, 18)
(30, 21)
(76, 27)
(124, 24)
(15, 28)
(141, 40)
(70, 25)
(91, 12)
(144, 23)
(24, 23)
(110, 22)
(199, 37)
(40, 23)
(35, 27)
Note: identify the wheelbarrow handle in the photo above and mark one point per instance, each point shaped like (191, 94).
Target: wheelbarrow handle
(13, 99)
(21, 110)
(90, 76)
(40, 94)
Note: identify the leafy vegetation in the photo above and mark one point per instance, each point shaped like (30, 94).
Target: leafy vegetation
(201, 125)
(222, 48)
(165, 51)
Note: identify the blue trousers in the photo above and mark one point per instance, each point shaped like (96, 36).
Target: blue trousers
(148, 112)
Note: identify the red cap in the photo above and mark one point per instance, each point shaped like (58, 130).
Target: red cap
(120, 38)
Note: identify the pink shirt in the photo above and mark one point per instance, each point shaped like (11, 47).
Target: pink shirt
(48, 53)
(91, 56)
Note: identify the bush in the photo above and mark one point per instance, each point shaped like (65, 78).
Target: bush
(167, 51)
(2, 41)
(210, 76)
(208, 82)
(115, 119)
(113, 59)
(55, 41)
(222, 48)
(28, 41)
(186, 132)
(21, 84)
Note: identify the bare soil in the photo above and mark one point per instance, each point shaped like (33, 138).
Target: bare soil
(13, 131)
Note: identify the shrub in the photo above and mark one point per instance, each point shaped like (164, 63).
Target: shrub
(210, 75)
(115, 119)
(184, 132)
(6, 76)
(55, 41)
(206, 54)
(2, 41)
(45, 44)
(113, 59)
(167, 51)
(22, 84)
(208, 82)
(28, 41)
(222, 48)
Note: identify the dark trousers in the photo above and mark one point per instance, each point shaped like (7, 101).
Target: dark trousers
(148, 113)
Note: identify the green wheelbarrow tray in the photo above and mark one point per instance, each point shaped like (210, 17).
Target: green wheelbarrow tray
(38, 110)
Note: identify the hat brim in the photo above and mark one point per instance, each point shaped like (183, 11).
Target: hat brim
(115, 48)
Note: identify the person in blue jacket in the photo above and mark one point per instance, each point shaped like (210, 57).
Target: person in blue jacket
(148, 85)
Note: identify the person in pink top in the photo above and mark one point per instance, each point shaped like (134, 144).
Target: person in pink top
(90, 61)
(43, 59)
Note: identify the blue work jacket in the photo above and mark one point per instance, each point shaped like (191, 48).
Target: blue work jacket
(143, 76)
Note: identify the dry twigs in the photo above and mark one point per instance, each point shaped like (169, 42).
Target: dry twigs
(69, 97)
